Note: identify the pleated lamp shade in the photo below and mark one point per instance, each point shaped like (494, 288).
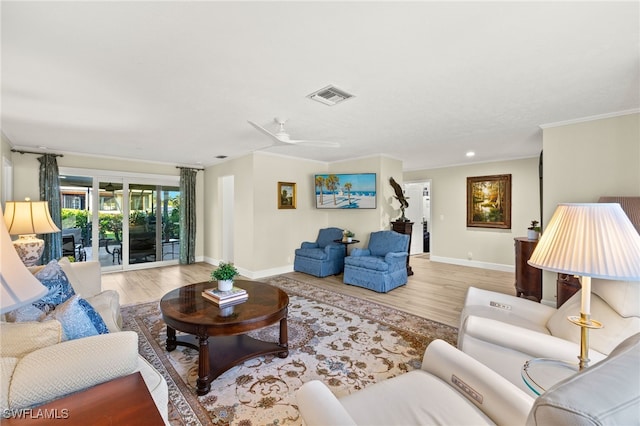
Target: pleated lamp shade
(595, 240)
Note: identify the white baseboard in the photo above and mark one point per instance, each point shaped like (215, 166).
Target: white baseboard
(254, 275)
(474, 264)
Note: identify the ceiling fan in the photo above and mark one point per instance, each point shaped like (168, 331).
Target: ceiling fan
(281, 137)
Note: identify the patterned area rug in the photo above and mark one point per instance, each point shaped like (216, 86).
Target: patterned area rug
(346, 342)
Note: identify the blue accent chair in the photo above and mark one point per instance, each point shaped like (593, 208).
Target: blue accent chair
(380, 267)
(323, 257)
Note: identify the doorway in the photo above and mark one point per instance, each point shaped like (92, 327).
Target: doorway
(419, 211)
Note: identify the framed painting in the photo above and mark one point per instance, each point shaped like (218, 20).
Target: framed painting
(345, 191)
(286, 195)
(489, 201)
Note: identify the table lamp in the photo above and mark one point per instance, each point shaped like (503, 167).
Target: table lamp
(26, 219)
(589, 240)
(19, 286)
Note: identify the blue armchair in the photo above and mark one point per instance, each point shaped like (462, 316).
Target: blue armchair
(380, 267)
(323, 257)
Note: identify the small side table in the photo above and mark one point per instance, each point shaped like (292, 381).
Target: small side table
(539, 374)
(346, 245)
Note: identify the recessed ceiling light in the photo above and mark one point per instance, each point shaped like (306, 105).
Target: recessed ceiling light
(221, 156)
(470, 154)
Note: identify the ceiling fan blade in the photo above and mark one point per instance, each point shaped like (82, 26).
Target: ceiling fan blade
(320, 144)
(263, 130)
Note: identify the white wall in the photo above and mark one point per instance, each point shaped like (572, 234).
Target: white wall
(451, 240)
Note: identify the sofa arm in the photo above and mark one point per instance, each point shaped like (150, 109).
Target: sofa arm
(85, 277)
(319, 406)
(54, 371)
(360, 252)
(530, 342)
(534, 312)
(498, 398)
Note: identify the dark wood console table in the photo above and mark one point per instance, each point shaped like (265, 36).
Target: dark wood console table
(125, 400)
(404, 228)
(528, 279)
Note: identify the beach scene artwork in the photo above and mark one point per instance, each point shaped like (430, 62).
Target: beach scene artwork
(345, 191)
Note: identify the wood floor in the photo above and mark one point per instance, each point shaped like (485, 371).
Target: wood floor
(435, 290)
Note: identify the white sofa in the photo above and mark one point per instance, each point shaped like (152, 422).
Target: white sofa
(37, 366)
(503, 331)
(454, 389)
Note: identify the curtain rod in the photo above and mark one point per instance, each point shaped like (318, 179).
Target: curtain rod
(190, 168)
(19, 151)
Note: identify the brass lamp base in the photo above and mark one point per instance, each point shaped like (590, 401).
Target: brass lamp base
(585, 323)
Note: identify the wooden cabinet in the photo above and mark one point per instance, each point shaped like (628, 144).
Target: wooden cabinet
(566, 286)
(528, 278)
(404, 228)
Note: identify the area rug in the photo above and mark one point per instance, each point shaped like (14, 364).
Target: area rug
(346, 342)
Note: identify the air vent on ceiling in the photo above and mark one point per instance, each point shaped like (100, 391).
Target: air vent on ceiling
(330, 95)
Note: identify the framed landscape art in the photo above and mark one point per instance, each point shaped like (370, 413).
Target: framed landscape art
(345, 191)
(489, 201)
(286, 195)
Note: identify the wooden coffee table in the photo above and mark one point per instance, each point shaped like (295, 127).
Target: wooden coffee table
(184, 309)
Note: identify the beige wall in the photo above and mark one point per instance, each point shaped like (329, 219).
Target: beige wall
(451, 240)
(266, 237)
(586, 160)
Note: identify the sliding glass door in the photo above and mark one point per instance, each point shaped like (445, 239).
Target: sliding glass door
(123, 222)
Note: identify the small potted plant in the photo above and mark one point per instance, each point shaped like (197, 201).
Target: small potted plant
(533, 231)
(349, 235)
(224, 274)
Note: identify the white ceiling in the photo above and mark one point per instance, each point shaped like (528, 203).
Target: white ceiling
(176, 82)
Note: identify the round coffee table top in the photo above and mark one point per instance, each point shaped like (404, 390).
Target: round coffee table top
(185, 309)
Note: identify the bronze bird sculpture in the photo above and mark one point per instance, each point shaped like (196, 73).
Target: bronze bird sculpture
(400, 197)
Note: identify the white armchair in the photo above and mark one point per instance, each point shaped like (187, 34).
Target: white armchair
(503, 331)
(453, 388)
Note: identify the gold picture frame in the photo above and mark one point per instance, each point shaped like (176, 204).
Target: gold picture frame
(489, 201)
(287, 195)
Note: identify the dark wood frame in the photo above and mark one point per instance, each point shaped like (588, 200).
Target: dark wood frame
(503, 181)
(282, 186)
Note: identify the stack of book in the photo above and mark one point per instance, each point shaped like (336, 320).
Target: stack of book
(222, 298)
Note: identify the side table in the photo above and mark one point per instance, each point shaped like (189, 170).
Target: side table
(346, 245)
(125, 400)
(539, 374)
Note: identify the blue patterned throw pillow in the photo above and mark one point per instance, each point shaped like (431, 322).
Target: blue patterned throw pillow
(78, 319)
(53, 277)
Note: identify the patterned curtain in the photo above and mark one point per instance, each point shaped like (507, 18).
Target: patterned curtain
(50, 191)
(187, 215)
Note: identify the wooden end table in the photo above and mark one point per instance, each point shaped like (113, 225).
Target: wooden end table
(224, 330)
(125, 400)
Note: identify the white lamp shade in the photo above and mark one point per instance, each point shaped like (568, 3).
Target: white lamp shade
(29, 217)
(19, 286)
(594, 240)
